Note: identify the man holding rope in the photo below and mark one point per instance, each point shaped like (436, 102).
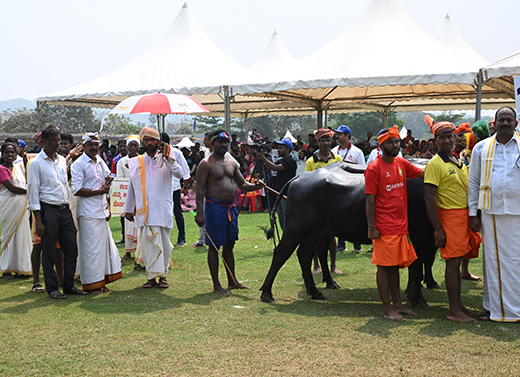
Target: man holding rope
(215, 176)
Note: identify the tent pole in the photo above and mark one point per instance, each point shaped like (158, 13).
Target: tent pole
(478, 105)
(326, 122)
(227, 109)
(320, 119)
(158, 122)
(385, 117)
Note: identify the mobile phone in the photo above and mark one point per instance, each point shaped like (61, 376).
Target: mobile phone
(109, 181)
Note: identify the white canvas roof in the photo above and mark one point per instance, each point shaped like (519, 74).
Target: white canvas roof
(289, 136)
(450, 37)
(508, 66)
(500, 73)
(170, 66)
(384, 60)
(274, 58)
(185, 142)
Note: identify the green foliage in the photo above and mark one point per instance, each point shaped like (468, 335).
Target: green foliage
(19, 121)
(119, 124)
(71, 119)
(449, 116)
(361, 123)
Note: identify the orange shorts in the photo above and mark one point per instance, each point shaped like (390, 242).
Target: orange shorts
(393, 251)
(460, 240)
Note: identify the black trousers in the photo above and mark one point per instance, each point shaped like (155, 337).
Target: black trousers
(179, 218)
(60, 227)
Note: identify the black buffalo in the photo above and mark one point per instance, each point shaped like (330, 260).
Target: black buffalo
(330, 202)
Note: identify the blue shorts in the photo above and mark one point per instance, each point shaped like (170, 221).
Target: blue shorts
(221, 221)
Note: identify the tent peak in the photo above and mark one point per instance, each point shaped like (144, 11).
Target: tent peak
(447, 17)
(185, 5)
(275, 33)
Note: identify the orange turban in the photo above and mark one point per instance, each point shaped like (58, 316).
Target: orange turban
(462, 127)
(150, 132)
(323, 132)
(440, 127)
(392, 132)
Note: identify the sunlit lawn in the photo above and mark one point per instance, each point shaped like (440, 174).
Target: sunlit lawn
(187, 330)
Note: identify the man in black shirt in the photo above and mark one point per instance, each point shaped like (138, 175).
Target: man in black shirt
(285, 168)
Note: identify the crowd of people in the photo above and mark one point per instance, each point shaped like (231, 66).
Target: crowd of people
(62, 194)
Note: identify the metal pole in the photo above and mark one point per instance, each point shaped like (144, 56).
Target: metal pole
(326, 120)
(227, 109)
(320, 119)
(385, 117)
(478, 105)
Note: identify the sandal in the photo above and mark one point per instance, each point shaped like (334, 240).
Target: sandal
(138, 267)
(163, 283)
(150, 283)
(37, 288)
(57, 295)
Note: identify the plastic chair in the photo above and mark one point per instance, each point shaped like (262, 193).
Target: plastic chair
(254, 198)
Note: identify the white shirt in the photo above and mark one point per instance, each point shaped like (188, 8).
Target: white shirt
(504, 183)
(159, 191)
(90, 174)
(179, 157)
(352, 155)
(121, 169)
(47, 181)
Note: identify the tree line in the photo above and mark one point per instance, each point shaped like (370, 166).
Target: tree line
(79, 119)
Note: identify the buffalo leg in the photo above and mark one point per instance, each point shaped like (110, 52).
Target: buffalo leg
(413, 291)
(323, 248)
(428, 274)
(306, 252)
(281, 254)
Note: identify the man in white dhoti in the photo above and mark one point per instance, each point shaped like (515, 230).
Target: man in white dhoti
(132, 146)
(150, 194)
(493, 182)
(99, 259)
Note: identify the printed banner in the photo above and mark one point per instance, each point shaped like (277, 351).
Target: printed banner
(118, 193)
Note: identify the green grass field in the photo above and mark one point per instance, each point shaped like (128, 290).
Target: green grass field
(188, 331)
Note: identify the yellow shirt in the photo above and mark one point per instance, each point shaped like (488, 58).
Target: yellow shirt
(451, 182)
(314, 162)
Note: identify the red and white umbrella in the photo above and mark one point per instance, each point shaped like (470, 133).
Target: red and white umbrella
(159, 104)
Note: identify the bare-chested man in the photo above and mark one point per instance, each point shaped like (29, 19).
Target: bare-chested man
(215, 176)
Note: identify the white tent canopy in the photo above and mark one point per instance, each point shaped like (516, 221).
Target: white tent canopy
(450, 37)
(289, 136)
(508, 66)
(274, 58)
(172, 65)
(382, 62)
(385, 60)
(185, 142)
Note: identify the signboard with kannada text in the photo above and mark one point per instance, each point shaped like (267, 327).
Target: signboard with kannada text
(118, 193)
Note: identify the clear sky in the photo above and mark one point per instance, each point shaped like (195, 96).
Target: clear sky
(50, 45)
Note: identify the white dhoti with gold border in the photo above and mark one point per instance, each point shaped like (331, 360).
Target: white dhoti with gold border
(98, 255)
(154, 250)
(501, 255)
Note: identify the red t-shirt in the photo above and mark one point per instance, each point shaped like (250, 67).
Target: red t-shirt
(388, 183)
